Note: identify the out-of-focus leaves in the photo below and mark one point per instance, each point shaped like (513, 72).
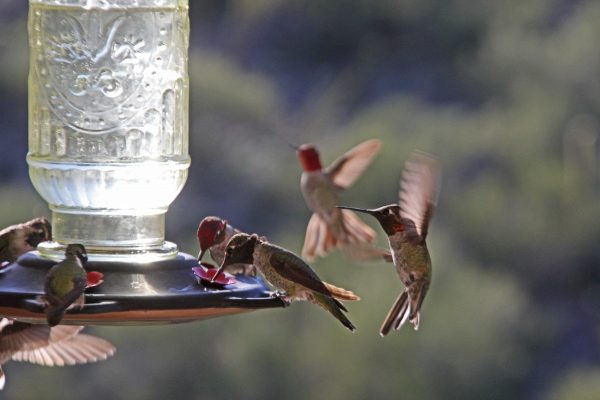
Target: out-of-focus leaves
(580, 384)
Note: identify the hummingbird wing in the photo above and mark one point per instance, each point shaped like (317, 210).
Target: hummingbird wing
(5, 255)
(419, 187)
(293, 268)
(366, 252)
(319, 239)
(22, 336)
(347, 168)
(79, 349)
(18, 335)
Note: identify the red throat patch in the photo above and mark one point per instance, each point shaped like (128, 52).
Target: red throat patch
(309, 158)
(398, 227)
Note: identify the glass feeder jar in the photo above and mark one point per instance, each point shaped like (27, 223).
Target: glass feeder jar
(108, 121)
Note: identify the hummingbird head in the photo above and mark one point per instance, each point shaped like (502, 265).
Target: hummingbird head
(388, 216)
(239, 250)
(211, 231)
(309, 158)
(76, 250)
(41, 232)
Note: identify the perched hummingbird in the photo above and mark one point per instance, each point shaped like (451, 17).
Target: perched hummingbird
(21, 238)
(46, 346)
(406, 226)
(284, 270)
(330, 227)
(214, 234)
(65, 284)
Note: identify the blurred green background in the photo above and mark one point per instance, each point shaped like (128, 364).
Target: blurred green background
(506, 94)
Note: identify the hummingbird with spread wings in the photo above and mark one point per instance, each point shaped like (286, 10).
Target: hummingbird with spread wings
(49, 346)
(330, 227)
(406, 225)
(42, 344)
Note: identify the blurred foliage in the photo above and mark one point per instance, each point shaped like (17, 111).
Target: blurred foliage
(581, 384)
(506, 94)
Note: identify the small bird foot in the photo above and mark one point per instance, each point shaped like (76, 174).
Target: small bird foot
(283, 297)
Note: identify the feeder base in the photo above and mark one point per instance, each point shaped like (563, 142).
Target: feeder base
(160, 292)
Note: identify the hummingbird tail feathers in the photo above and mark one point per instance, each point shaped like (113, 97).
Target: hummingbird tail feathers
(333, 306)
(321, 238)
(415, 321)
(318, 239)
(341, 293)
(397, 315)
(54, 315)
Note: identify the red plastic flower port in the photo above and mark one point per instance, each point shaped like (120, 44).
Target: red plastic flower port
(205, 272)
(94, 278)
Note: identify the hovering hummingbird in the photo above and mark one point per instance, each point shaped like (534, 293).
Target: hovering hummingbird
(214, 234)
(18, 239)
(65, 284)
(406, 226)
(330, 227)
(46, 346)
(284, 270)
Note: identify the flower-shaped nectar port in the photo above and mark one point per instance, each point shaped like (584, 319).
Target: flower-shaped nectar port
(94, 278)
(205, 273)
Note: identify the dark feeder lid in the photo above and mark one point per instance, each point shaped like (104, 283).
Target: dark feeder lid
(166, 291)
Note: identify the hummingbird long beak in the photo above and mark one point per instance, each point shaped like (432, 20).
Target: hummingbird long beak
(293, 146)
(362, 210)
(219, 272)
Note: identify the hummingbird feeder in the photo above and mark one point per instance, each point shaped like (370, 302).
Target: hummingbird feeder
(108, 151)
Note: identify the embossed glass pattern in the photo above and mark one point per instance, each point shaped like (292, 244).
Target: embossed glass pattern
(108, 135)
